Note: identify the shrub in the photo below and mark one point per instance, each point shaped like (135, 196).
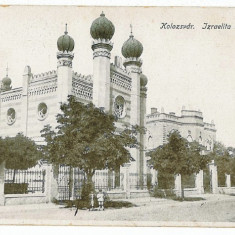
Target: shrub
(15, 188)
(117, 204)
(175, 198)
(82, 204)
(163, 193)
(87, 189)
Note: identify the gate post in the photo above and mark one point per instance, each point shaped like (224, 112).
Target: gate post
(199, 182)
(214, 176)
(178, 187)
(126, 180)
(228, 180)
(51, 185)
(2, 181)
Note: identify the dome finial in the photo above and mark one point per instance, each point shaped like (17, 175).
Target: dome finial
(131, 31)
(66, 31)
(7, 70)
(102, 14)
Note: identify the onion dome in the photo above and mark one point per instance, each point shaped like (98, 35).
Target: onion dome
(102, 28)
(65, 42)
(132, 47)
(143, 80)
(6, 81)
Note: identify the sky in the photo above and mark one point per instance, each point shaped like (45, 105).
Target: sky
(191, 68)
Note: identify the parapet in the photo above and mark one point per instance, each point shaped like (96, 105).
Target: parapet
(191, 113)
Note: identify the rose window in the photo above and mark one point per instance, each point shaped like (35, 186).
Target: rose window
(11, 116)
(119, 107)
(42, 111)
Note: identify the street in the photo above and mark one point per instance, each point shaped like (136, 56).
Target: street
(148, 212)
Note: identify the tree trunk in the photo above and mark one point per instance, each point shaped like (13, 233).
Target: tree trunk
(70, 182)
(89, 178)
(182, 191)
(88, 186)
(182, 188)
(14, 174)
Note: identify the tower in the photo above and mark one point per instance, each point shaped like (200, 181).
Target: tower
(65, 45)
(132, 50)
(143, 96)
(25, 86)
(102, 30)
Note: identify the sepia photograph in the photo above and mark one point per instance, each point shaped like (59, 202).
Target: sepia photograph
(117, 116)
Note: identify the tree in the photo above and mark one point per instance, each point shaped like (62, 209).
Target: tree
(19, 153)
(86, 137)
(178, 156)
(224, 160)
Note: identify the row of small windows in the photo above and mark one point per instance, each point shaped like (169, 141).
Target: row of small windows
(208, 143)
(42, 112)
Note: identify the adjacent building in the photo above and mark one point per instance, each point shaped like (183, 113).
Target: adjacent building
(190, 124)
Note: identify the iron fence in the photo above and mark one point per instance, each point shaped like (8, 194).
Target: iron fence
(189, 181)
(71, 181)
(221, 180)
(64, 182)
(140, 182)
(34, 180)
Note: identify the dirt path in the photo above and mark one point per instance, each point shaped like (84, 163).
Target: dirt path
(213, 209)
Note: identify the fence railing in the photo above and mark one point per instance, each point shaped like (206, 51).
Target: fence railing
(24, 181)
(140, 182)
(71, 181)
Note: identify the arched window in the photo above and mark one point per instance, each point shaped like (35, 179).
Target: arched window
(189, 138)
(42, 111)
(11, 116)
(119, 107)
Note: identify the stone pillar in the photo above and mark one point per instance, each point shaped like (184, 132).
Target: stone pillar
(51, 185)
(64, 75)
(154, 176)
(133, 66)
(228, 180)
(213, 176)
(101, 73)
(199, 182)
(142, 159)
(2, 180)
(24, 110)
(178, 187)
(126, 182)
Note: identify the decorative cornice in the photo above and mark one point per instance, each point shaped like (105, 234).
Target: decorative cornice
(102, 43)
(65, 54)
(134, 69)
(143, 92)
(14, 94)
(133, 61)
(67, 63)
(102, 53)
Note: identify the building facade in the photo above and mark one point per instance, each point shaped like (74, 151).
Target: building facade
(119, 88)
(190, 125)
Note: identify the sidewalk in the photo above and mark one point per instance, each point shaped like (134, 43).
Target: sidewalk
(149, 211)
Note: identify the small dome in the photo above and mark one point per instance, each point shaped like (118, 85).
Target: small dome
(143, 80)
(65, 42)
(132, 48)
(102, 28)
(6, 81)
